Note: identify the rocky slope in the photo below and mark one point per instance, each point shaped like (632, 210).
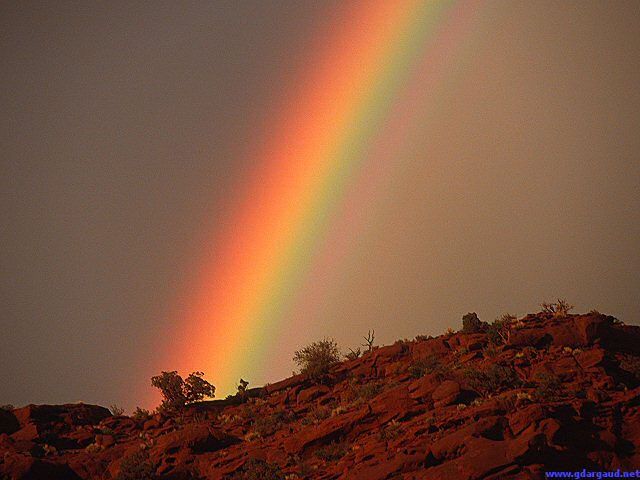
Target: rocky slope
(563, 394)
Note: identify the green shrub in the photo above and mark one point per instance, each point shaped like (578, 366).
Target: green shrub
(116, 410)
(178, 392)
(316, 416)
(136, 466)
(332, 452)
(491, 380)
(141, 414)
(471, 323)
(255, 469)
(422, 366)
(353, 354)
(499, 332)
(549, 387)
(268, 425)
(362, 392)
(316, 360)
(390, 431)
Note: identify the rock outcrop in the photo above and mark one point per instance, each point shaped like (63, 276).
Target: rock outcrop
(563, 394)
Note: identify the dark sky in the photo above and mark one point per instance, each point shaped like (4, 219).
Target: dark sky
(122, 131)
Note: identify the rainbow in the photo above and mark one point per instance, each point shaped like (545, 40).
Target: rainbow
(332, 148)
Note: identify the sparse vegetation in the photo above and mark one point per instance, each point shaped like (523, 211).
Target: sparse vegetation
(471, 323)
(353, 354)
(255, 469)
(362, 392)
(265, 426)
(316, 416)
(136, 466)
(490, 351)
(316, 360)
(141, 414)
(499, 332)
(178, 392)
(549, 387)
(632, 365)
(116, 410)
(390, 431)
(559, 309)
(422, 366)
(332, 452)
(8, 407)
(491, 380)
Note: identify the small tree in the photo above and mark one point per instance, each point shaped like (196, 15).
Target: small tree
(471, 323)
(499, 331)
(316, 359)
(242, 390)
(197, 388)
(177, 392)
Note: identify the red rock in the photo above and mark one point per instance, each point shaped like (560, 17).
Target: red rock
(81, 437)
(521, 419)
(8, 422)
(150, 424)
(480, 458)
(384, 470)
(25, 467)
(591, 328)
(447, 393)
(325, 432)
(530, 337)
(394, 434)
(528, 447)
(422, 388)
(195, 438)
(452, 445)
(284, 384)
(492, 428)
(566, 368)
(472, 342)
(28, 432)
(394, 403)
(105, 440)
(309, 394)
(392, 352)
(70, 414)
(120, 425)
(434, 346)
(590, 359)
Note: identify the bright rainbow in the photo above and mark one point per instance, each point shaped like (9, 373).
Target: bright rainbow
(332, 147)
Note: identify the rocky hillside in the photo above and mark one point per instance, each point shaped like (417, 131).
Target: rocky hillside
(553, 393)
